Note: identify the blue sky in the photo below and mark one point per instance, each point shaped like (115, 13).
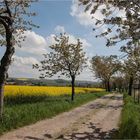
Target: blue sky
(53, 17)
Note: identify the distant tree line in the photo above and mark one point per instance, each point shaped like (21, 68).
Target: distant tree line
(50, 82)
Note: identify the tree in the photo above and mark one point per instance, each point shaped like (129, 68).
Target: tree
(123, 28)
(104, 67)
(13, 21)
(131, 66)
(130, 74)
(65, 58)
(119, 82)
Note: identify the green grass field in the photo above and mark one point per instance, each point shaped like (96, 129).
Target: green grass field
(33, 109)
(130, 122)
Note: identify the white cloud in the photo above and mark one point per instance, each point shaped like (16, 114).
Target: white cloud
(34, 44)
(73, 39)
(59, 29)
(84, 18)
(30, 53)
(22, 67)
(19, 61)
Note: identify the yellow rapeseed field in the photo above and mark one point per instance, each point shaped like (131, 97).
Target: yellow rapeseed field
(48, 90)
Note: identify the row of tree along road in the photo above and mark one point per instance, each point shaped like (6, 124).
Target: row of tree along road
(69, 59)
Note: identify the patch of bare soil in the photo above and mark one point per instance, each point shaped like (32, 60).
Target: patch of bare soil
(97, 119)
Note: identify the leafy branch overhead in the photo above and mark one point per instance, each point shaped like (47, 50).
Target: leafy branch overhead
(122, 18)
(12, 13)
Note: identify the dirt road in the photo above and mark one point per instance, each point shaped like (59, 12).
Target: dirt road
(95, 120)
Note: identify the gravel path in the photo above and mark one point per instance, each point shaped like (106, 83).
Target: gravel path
(95, 120)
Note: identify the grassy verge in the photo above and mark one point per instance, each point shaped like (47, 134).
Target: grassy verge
(130, 122)
(32, 109)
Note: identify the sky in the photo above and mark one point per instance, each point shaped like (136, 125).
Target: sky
(55, 17)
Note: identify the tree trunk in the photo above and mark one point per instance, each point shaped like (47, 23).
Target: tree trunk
(6, 59)
(105, 85)
(114, 86)
(134, 95)
(73, 87)
(130, 86)
(108, 86)
(138, 96)
(4, 66)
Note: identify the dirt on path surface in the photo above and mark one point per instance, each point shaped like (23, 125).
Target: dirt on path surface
(97, 119)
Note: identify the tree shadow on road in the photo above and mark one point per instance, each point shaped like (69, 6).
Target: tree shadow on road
(99, 106)
(113, 97)
(93, 134)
